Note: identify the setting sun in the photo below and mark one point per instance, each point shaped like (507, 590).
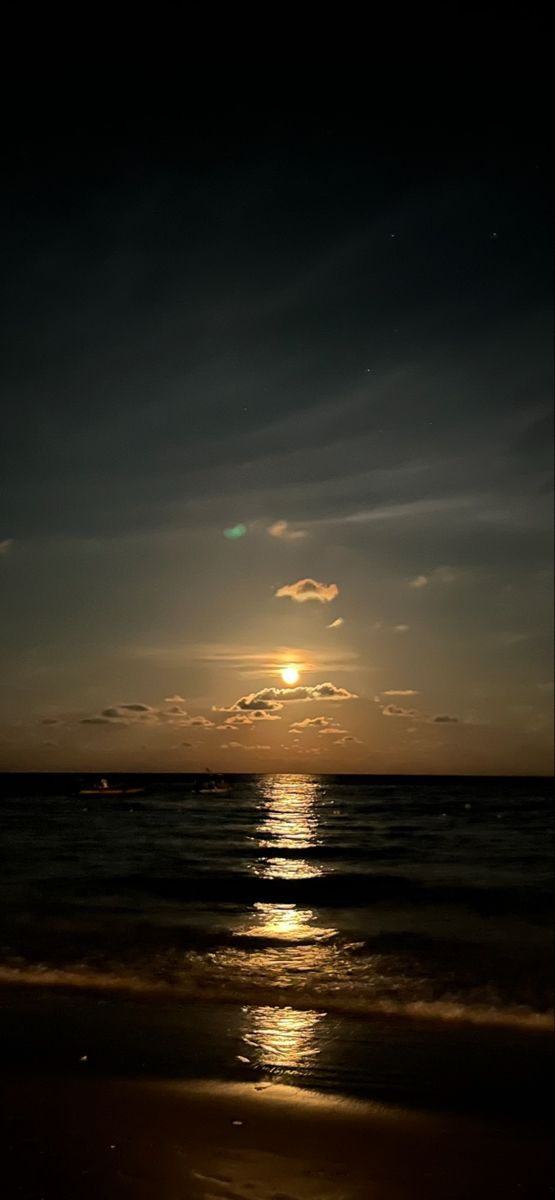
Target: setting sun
(290, 675)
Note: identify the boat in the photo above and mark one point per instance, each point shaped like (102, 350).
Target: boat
(103, 788)
(214, 785)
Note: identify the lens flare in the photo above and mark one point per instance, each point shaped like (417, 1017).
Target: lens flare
(290, 675)
(236, 531)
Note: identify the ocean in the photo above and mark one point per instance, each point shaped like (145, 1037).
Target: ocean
(385, 937)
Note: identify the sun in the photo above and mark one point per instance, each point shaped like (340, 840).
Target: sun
(290, 675)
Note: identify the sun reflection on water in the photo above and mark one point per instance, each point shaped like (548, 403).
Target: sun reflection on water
(293, 943)
(290, 822)
(282, 1037)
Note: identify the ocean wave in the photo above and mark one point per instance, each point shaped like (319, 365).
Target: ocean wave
(327, 889)
(216, 990)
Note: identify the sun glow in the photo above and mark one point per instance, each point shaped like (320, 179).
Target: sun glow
(290, 675)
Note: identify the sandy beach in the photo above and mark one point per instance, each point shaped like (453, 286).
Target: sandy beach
(107, 1139)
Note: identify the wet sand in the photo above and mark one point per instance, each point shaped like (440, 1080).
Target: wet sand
(75, 1139)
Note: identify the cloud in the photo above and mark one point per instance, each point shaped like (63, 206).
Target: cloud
(50, 721)
(319, 725)
(393, 710)
(512, 639)
(337, 623)
(249, 659)
(546, 687)
(6, 545)
(412, 714)
(281, 529)
(265, 704)
(248, 719)
(446, 575)
(438, 575)
(241, 746)
(254, 702)
(309, 589)
(175, 700)
(125, 710)
(348, 740)
(401, 628)
(320, 691)
(129, 713)
(141, 714)
(400, 692)
(311, 723)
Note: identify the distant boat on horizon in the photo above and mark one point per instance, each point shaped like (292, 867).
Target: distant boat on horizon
(103, 788)
(213, 785)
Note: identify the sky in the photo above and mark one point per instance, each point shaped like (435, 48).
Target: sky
(277, 393)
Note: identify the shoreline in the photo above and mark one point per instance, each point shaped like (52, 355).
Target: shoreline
(171, 1140)
(430, 1012)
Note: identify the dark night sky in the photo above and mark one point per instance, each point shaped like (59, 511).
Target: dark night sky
(330, 310)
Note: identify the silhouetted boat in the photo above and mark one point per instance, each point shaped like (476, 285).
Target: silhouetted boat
(103, 788)
(212, 785)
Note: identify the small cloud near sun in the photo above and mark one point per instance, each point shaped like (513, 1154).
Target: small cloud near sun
(272, 699)
(309, 589)
(282, 530)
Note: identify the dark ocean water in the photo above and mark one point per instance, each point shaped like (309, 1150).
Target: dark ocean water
(300, 900)
(381, 937)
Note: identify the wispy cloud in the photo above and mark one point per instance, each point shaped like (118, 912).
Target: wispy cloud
(400, 692)
(249, 660)
(144, 714)
(339, 621)
(309, 589)
(411, 509)
(6, 545)
(282, 530)
(175, 700)
(347, 740)
(241, 746)
(413, 714)
(438, 575)
(401, 628)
